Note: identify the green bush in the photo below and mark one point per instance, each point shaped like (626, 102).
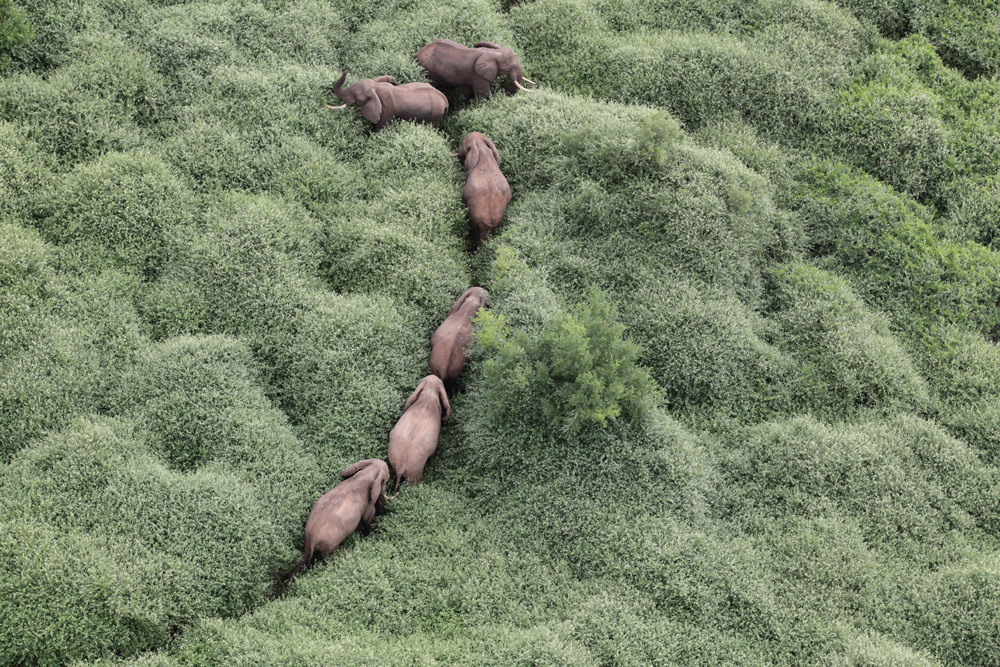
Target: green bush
(25, 277)
(628, 201)
(709, 352)
(896, 257)
(160, 549)
(579, 371)
(14, 30)
(85, 335)
(116, 212)
(344, 371)
(891, 17)
(906, 482)
(966, 34)
(54, 23)
(245, 272)
(849, 359)
(956, 615)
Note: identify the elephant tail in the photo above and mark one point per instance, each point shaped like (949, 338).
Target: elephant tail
(395, 489)
(307, 554)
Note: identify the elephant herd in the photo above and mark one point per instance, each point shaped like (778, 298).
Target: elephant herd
(448, 64)
(354, 502)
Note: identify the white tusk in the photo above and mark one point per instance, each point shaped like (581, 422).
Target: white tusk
(454, 154)
(528, 80)
(342, 106)
(522, 87)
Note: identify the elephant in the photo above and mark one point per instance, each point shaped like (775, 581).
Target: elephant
(382, 100)
(414, 438)
(340, 511)
(453, 64)
(451, 340)
(486, 192)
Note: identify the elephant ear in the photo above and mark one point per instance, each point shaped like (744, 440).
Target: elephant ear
(472, 157)
(413, 396)
(350, 470)
(385, 78)
(372, 109)
(486, 66)
(375, 490)
(486, 45)
(496, 153)
(461, 300)
(443, 395)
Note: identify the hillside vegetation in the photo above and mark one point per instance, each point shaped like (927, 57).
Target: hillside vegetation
(736, 399)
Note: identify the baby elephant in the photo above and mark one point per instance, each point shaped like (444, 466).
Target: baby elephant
(381, 100)
(451, 340)
(415, 436)
(486, 190)
(341, 510)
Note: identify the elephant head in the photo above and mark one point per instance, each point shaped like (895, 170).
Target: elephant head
(474, 296)
(431, 383)
(496, 61)
(469, 150)
(376, 490)
(363, 92)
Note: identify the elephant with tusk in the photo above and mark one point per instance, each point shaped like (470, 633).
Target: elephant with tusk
(382, 100)
(340, 511)
(451, 340)
(414, 438)
(449, 63)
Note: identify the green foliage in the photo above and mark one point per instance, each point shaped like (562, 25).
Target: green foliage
(966, 34)
(906, 482)
(158, 549)
(768, 437)
(116, 212)
(579, 370)
(710, 353)
(14, 30)
(849, 358)
(956, 612)
(900, 262)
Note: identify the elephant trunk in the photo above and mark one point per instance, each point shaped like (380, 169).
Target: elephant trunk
(338, 88)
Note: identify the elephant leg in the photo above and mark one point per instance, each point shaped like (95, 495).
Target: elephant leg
(481, 87)
(467, 91)
(368, 516)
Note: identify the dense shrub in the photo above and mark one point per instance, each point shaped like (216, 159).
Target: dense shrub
(955, 612)
(849, 358)
(245, 271)
(25, 277)
(709, 352)
(159, 549)
(579, 370)
(906, 482)
(343, 373)
(966, 34)
(82, 338)
(898, 259)
(14, 30)
(628, 200)
(116, 212)
(217, 293)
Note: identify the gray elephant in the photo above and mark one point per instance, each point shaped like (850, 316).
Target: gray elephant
(449, 63)
(382, 101)
(451, 340)
(414, 438)
(340, 511)
(486, 192)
